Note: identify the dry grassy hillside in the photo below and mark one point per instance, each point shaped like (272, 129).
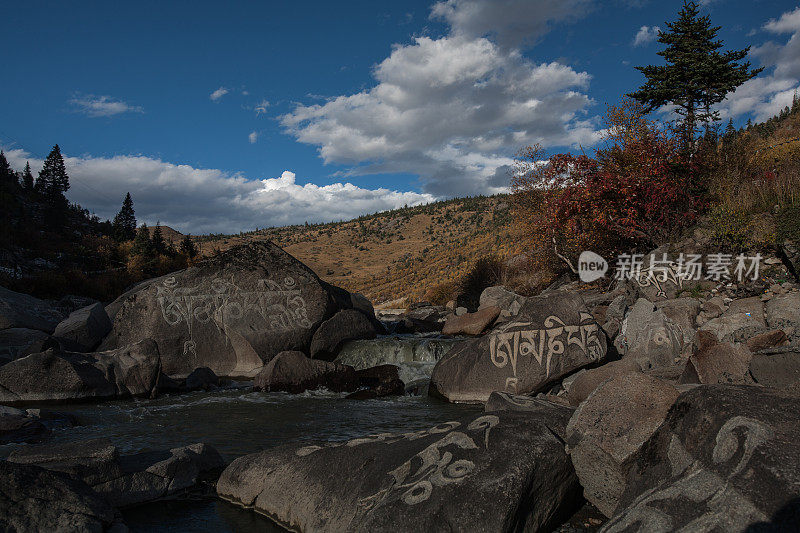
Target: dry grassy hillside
(395, 254)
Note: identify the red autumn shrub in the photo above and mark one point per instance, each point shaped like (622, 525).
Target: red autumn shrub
(637, 191)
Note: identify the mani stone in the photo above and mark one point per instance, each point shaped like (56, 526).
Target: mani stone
(610, 427)
(649, 338)
(725, 459)
(502, 471)
(552, 336)
(231, 313)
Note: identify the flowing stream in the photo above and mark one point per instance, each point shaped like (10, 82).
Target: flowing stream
(237, 421)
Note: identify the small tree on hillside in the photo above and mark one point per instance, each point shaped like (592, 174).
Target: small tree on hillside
(125, 221)
(188, 248)
(27, 177)
(142, 245)
(159, 246)
(53, 180)
(8, 178)
(697, 75)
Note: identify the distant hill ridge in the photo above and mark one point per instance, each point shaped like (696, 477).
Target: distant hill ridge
(393, 255)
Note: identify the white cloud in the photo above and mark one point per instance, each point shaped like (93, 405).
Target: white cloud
(102, 106)
(261, 107)
(219, 93)
(208, 200)
(453, 110)
(253, 137)
(509, 22)
(773, 90)
(646, 35)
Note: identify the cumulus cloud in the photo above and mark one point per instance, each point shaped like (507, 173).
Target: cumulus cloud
(508, 22)
(219, 93)
(646, 35)
(253, 137)
(453, 110)
(102, 106)
(208, 200)
(769, 93)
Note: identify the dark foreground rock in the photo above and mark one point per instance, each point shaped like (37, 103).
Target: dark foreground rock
(551, 337)
(128, 479)
(553, 415)
(202, 378)
(64, 376)
(19, 342)
(33, 499)
(295, 373)
(725, 459)
(377, 382)
(17, 426)
(85, 328)
(231, 313)
(496, 472)
(777, 367)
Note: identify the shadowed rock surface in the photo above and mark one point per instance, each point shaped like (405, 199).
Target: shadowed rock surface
(346, 325)
(294, 372)
(85, 328)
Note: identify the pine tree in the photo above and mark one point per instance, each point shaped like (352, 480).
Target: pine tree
(8, 178)
(697, 75)
(795, 103)
(159, 246)
(188, 248)
(124, 224)
(53, 180)
(142, 245)
(27, 177)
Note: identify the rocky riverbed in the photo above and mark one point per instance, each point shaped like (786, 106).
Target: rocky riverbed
(245, 387)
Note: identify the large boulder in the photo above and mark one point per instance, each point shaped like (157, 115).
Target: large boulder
(33, 499)
(471, 323)
(19, 342)
(62, 376)
(19, 310)
(498, 296)
(588, 380)
(502, 471)
(85, 328)
(202, 378)
(128, 479)
(232, 312)
(649, 338)
(295, 373)
(551, 337)
(610, 427)
(346, 325)
(725, 459)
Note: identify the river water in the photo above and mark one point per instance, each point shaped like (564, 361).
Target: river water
(237, 421)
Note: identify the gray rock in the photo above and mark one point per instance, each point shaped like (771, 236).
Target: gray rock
(346, 325)
(129, 479)
(555, 416)
(743, 319)
(649, 337)
(718, 363)
(86, 327)
(588, 380)
(19, 342)
(610, 427)
(295, 373)
(552, 336)
(683, 313)
(19, 310)
(779, 369)
(498, 471)
(231, 313)
(33, 499)
(63, 376)
(509, 302)
(202, 378)
(471, 323)
(783, 312)
(725, 459)
(377, 382)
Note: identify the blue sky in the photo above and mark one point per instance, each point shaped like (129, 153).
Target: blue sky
(230, 117)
